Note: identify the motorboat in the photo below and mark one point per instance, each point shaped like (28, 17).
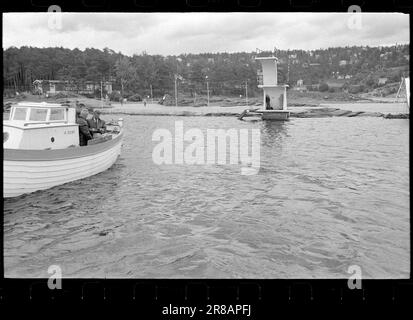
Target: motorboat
(41, 148)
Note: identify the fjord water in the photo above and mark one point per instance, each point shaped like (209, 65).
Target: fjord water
(330, 193)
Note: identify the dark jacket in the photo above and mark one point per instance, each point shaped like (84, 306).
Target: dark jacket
(94, 126)
(84, 133)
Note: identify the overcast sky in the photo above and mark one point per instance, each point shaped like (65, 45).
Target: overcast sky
(176, 33)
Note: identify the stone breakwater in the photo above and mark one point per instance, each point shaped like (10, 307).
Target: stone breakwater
(296, 112)
(336, 112)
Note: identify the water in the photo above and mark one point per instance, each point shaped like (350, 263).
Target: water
(330, 193)
(392, 108)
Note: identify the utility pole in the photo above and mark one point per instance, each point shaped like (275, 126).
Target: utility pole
(206, 77)
(246, 92)
(288, 70)
(101, 94)
(176, 92)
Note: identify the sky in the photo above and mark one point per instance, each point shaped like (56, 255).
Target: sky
(177, 33)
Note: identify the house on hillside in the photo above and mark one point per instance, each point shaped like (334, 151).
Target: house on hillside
(52, 87)
(300, 86)
(89, 87)
(382, 81)
(342, 63)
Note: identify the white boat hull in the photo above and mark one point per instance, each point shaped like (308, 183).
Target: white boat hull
(26, 171)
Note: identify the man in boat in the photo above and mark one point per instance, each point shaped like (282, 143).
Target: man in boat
(97, 126)
(78, 109)
(84, 132)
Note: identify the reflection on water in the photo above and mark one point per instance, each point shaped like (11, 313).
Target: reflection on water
(272, 133)
(330, 193)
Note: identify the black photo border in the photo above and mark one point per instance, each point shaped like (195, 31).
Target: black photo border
(151, 295)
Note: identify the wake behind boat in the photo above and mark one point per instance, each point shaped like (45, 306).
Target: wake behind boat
(41, 148)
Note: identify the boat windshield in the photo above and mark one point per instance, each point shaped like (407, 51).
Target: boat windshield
(57, 114)
(38, 114)
(20, 113)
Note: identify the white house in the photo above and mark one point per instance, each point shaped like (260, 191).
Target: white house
(382, 81)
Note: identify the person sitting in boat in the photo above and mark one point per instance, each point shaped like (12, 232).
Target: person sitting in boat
(97, 126)
(84, 132)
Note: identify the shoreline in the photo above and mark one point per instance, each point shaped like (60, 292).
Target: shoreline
(321, 111)
(302, 106)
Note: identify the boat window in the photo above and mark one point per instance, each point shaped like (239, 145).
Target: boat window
(20, 114)
(57, 114)
(38, 114)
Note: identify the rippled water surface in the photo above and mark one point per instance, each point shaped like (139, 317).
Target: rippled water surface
(330, 193)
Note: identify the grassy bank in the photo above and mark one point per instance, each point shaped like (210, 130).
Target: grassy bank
(295, 98)
(221, 105)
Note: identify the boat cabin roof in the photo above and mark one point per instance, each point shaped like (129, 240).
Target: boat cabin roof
(38, 114)
(40, 105)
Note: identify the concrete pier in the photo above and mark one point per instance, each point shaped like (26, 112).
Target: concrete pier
(295, 112)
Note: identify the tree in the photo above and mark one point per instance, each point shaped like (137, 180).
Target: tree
(226, 71)
(124, 71)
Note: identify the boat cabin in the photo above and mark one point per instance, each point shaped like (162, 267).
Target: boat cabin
(39, 126)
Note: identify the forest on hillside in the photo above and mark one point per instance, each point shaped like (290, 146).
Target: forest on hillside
(226, 73)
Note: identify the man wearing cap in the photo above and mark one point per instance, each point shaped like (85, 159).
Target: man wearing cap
(84, 132)
(96, 125)
(78, 109)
